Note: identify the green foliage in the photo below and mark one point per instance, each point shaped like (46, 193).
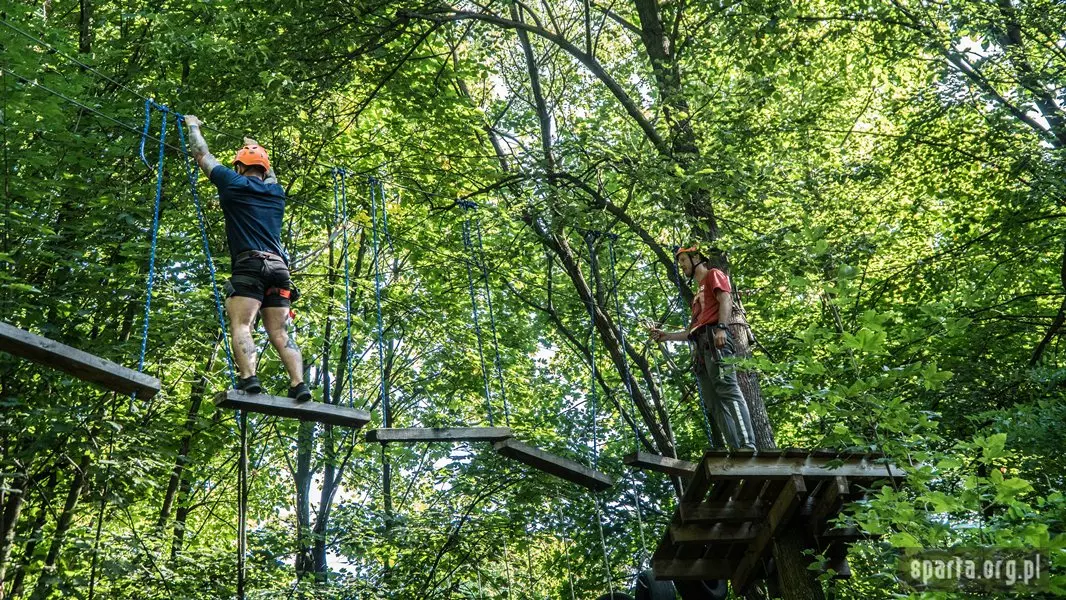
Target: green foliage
(890, 201)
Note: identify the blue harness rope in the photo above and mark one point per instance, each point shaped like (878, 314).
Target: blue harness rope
(190, 171)
(148, 105)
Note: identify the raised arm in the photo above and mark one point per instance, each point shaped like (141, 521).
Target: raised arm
(198, 146)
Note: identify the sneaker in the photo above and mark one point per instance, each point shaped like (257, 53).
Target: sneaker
(250, 385)
(300, 393)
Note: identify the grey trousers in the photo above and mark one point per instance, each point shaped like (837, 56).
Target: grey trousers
(721, 393)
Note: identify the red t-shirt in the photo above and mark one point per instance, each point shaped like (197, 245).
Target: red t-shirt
(705, 304)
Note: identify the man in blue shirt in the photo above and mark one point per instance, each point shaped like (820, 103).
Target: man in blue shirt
(253, 204)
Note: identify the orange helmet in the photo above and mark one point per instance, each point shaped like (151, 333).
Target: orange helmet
(252, 155)
(688, 250)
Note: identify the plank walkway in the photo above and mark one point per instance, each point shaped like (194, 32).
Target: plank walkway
(411, 435)
(555, 465)
(278, 406)
(662, 464)
(737, 501)
(78, 363)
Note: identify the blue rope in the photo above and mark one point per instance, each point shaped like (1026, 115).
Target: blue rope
(155, 220)
(492, 323)
(190, 171)
(469, 246)
(347, 279)
(375, 186)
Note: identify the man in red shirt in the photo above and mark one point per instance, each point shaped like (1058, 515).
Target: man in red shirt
(712, 309)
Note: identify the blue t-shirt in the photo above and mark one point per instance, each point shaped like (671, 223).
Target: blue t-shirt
(253, 211)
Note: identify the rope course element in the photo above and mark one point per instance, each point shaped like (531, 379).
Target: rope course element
(148, 106)
(342, 207)
(190, 171)
(590, 242)
(377, 192)
(467, 207)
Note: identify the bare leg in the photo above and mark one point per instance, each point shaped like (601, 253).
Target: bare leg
(274, 321)
(241, 313)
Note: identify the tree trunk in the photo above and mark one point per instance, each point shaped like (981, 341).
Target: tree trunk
(44, 582)
(85, 31)
(12, 509)
(795, 580)
(36, 535)
(196, 397)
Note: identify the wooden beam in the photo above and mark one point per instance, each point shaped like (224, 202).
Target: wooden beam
(828, 504)
(692, 569)
(412, 435)
(765, 467)
(662, 464)
(82, 365)
(330, 414)
(720, 512)
(710, 534)
(555, 465)
(782, 510)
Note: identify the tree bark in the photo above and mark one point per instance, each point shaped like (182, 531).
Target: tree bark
(36, 535)
(44, 582)
(196, 397)
(85, 31)
(796, 581)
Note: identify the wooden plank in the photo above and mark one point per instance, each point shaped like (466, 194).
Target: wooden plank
(782, 468)
(694, 569)
(750, 490)
(720, 512)
(438, 434)
(727, 533)
(662, 464)
(784, 507)
(698, 486)
(828, 504)
(82, 365)
(277, 406)
(555, 465)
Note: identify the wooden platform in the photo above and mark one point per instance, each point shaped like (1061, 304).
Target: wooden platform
(662, 464)
(413, 435)
(555, 465)
(330, 414)
(82, 365)
(737, 501)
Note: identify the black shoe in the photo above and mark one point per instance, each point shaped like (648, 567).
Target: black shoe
(250, 385)
(300, 393)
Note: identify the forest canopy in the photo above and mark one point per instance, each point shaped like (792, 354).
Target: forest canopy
(502, 186)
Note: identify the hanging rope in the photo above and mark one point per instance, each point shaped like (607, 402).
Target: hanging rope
(242, 507)
(566, 551)
(342, 206)
(468, 206)
(148, 106)
(632, 398)
(492, 321)
(603, 545)
(590, 237)
(190, 171)
(375, 190)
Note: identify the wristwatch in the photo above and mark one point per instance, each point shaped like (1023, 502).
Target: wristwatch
(721, 326)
